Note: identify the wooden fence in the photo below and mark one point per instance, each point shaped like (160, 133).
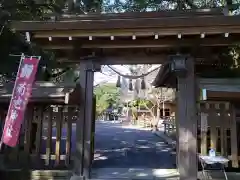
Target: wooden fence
(216, 129)
(169, 125)
(45, 140)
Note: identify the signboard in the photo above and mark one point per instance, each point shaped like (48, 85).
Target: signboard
(203, 94)
(20, 96)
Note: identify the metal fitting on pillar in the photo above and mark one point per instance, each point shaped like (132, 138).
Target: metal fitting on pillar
(93, 66)
(178, 64)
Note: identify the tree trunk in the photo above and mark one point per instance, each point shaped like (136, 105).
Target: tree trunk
(155, 124)
(158, 112)
(156, 119)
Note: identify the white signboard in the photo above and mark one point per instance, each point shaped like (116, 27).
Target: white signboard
(203, 94)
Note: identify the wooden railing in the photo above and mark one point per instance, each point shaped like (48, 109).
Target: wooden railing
(45, 141)
(169, 125)
(217, 131)
(144, 122)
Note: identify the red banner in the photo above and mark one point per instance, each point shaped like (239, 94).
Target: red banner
(20, 96)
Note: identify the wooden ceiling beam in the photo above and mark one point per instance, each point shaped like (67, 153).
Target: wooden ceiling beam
(140, 43)
(132, 56)
(151, 32)
(139, 58)
(109, 60)
(163, 43)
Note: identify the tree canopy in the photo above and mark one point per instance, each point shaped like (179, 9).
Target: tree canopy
(106, 95)
(156, 5)
(13, 43)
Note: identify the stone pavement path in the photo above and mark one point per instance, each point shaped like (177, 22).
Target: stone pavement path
(130, 152)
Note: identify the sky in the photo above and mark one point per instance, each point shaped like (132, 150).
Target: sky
(111, 77)
(104, 76)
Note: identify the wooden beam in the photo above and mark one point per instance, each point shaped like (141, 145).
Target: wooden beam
(183, 31)
(141, 15)
(219, 82)
(216, 23)
(173, 42)
(209, 53)
(130, 59)
(187, 124)
(140, 58)
(165, 31)
(163, 43)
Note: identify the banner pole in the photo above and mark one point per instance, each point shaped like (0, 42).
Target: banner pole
(1, 141)
(20, 55)
(1, 145)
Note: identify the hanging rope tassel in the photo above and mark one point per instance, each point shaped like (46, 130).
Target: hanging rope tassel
(130, 86)
(143, 84)
(118, 82)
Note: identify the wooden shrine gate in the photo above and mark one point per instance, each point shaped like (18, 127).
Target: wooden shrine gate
(138, 38)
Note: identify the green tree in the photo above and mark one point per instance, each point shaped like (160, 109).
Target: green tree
(156, 5)
(13, 43)
(106, 94)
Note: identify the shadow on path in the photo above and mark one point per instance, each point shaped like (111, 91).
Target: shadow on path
(119, 146)
(131, 149)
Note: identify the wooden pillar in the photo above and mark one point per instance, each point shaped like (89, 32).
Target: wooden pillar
(177, 129)
(187, 124)
(234, 144)
(84, 128)
(93, 129)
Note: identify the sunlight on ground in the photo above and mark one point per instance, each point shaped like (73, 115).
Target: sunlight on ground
(143, 147)
(166, 150)
(112, 150)
(164, 172)
(135, 127)
(131, 143)
(136, 173)
(101, 158)
(142, 140)
(127, 131)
